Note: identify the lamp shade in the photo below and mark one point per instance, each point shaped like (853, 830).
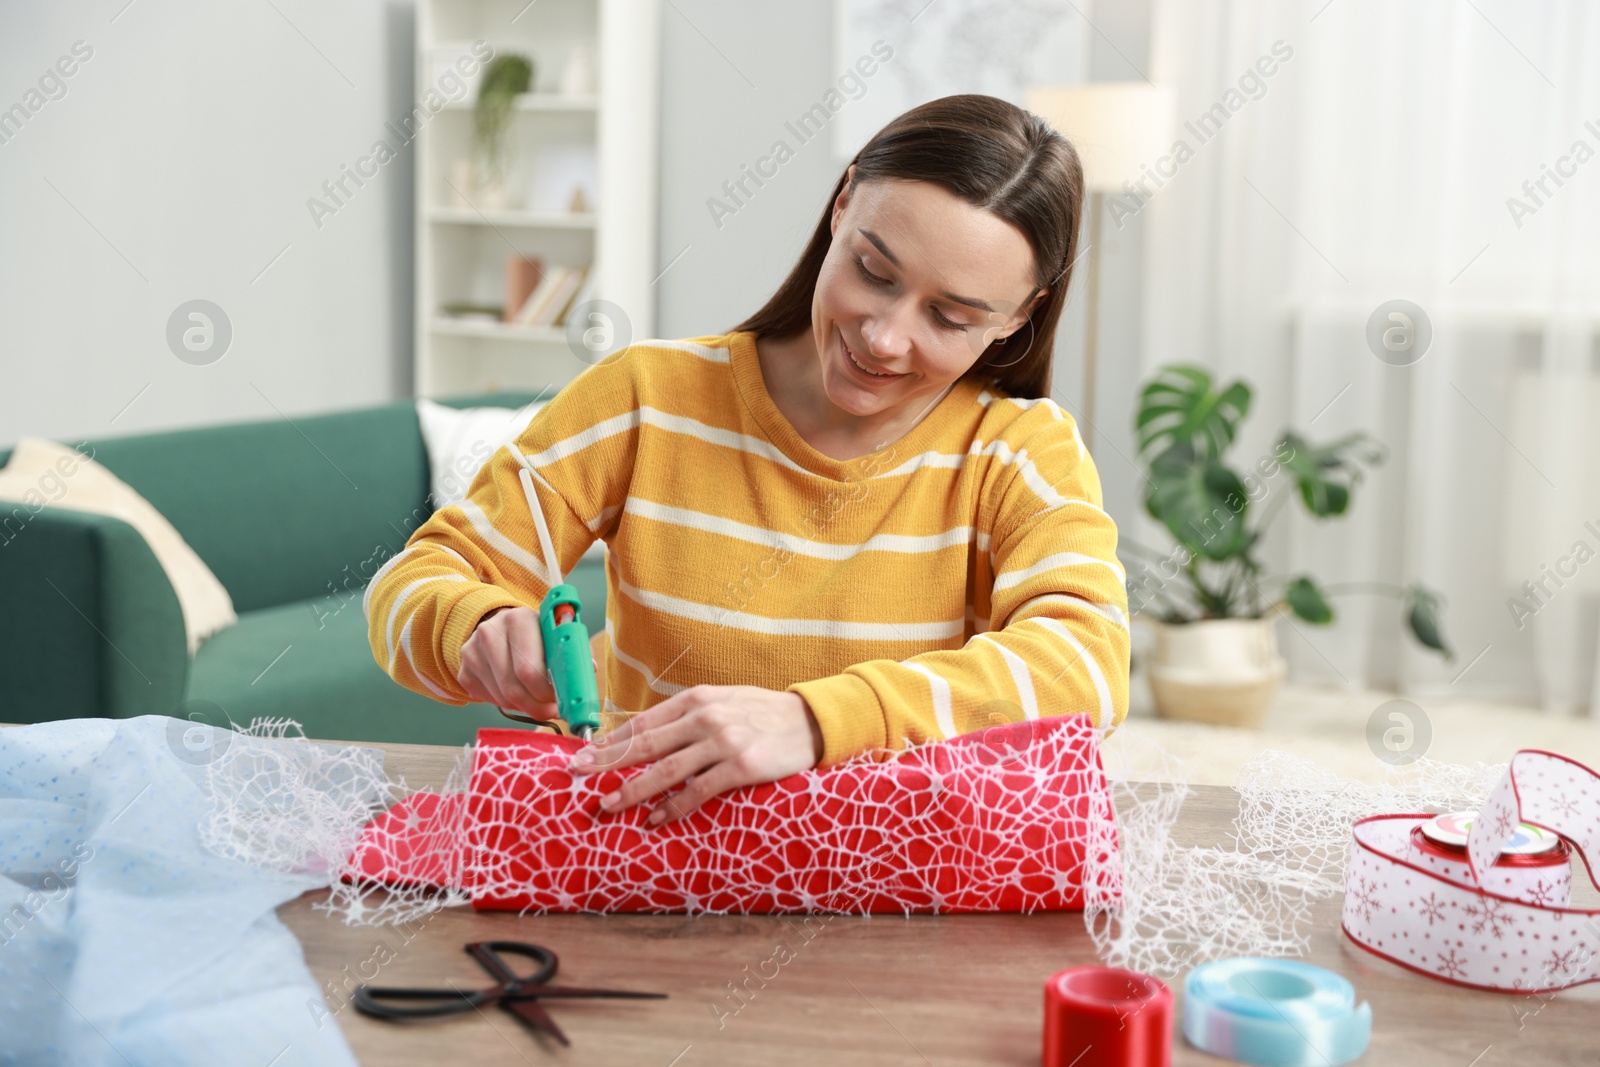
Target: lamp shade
(1117, 127)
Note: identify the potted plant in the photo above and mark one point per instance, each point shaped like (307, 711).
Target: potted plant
(1212, 604)
(505, 78)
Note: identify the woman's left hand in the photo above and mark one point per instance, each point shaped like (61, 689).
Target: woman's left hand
(714, 737)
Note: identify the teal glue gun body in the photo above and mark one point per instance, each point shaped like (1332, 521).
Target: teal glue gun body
(568, 660)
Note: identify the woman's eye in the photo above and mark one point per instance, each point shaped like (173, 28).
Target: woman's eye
(861, 265)
(938, 316)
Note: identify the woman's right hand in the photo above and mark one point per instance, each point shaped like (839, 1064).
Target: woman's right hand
(502, 663)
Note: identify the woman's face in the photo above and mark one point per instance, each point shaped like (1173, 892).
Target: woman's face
(915, 286)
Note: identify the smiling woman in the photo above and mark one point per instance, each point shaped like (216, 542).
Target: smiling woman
(877, 443)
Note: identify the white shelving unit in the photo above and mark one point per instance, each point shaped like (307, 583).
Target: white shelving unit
(461, 250)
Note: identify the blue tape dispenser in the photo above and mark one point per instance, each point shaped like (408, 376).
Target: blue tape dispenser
(1276, 1013)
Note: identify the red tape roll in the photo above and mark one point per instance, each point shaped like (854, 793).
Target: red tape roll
(1106, 1017)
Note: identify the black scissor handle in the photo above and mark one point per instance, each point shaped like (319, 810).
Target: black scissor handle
(375, 1001)
(487, 953)
(378, 1001)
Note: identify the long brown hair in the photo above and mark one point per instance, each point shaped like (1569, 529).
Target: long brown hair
(993, 155)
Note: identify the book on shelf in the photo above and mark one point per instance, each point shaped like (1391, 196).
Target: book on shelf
(549, 301)
(569, 295)
(539, 297)
(522, 278)
(585, 293)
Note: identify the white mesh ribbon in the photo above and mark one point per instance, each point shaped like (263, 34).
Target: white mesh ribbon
(290, 807)
(1182, 905)
(994, 821)
(280, 802)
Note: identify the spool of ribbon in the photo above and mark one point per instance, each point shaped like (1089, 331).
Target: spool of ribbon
(1535, 868)
(1492, 913)
(1106, 1017)
(1278, 1013)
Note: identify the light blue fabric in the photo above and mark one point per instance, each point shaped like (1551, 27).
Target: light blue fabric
(122, 939)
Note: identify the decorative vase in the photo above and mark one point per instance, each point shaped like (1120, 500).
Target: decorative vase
(490, 191)
(1219, 671)
(577, 75)
(462, 183)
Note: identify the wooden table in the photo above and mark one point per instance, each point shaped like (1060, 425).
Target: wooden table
(958, 989)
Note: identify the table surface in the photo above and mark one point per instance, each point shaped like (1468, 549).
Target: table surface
(881, 990)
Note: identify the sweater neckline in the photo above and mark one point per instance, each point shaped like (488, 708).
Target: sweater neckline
(752, 388)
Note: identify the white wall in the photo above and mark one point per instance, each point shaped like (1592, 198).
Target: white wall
(177, 166)
(194, 135)
(721, 111)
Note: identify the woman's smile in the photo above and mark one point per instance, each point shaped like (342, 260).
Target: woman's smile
(862, 370)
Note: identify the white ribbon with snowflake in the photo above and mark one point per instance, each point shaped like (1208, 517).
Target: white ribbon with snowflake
(1505, 929)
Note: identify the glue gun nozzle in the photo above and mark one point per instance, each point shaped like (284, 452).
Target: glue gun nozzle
(584, 732)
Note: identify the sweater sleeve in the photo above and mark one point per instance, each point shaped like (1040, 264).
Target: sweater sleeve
(1060, 643)
(484, 553)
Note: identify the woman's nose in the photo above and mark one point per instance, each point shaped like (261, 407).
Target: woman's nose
(888, 336)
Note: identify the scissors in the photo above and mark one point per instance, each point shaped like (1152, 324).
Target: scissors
(517, 994)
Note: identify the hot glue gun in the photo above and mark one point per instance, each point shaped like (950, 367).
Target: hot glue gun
(567, 659)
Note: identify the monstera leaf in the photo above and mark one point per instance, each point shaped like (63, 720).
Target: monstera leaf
(1423, 618)
(1307, 601)
(1178, 408)
(1327, 473)
(1202, 504)
(1184, 427)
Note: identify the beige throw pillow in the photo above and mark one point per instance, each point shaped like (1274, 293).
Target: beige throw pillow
(42, 473)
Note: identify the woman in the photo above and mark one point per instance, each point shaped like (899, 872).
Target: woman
(854, 522)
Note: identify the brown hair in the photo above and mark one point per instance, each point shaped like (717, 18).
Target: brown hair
(993, 155)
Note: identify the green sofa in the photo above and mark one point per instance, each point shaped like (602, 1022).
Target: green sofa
(293, 518)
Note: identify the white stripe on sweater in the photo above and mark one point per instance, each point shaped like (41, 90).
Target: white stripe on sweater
(1058, 415)
(399, 602)
(1019, 675)
(940, 690)
(762, 624)
(1028, 471)
(503, 544)
(645, 415)
(1108, 611)
(1050, 563)
(389, 565)
(1028, 403)
(713, 355)
(601, 519)
(411, 660)
(953, 461)
(601, 430)
(1056, 627)
(716, 435)
(760, 535)
(366, 598)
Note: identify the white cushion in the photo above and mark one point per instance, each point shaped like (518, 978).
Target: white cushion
(461, 440)
(44, 473)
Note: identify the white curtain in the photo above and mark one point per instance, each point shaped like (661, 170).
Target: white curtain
(1376, 162)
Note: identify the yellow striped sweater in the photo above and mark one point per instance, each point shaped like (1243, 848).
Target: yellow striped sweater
(962, 576)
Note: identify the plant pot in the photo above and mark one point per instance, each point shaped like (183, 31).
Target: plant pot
(492, 193)
(1219, 671)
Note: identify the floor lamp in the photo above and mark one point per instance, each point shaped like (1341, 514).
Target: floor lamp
(1120, 129)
